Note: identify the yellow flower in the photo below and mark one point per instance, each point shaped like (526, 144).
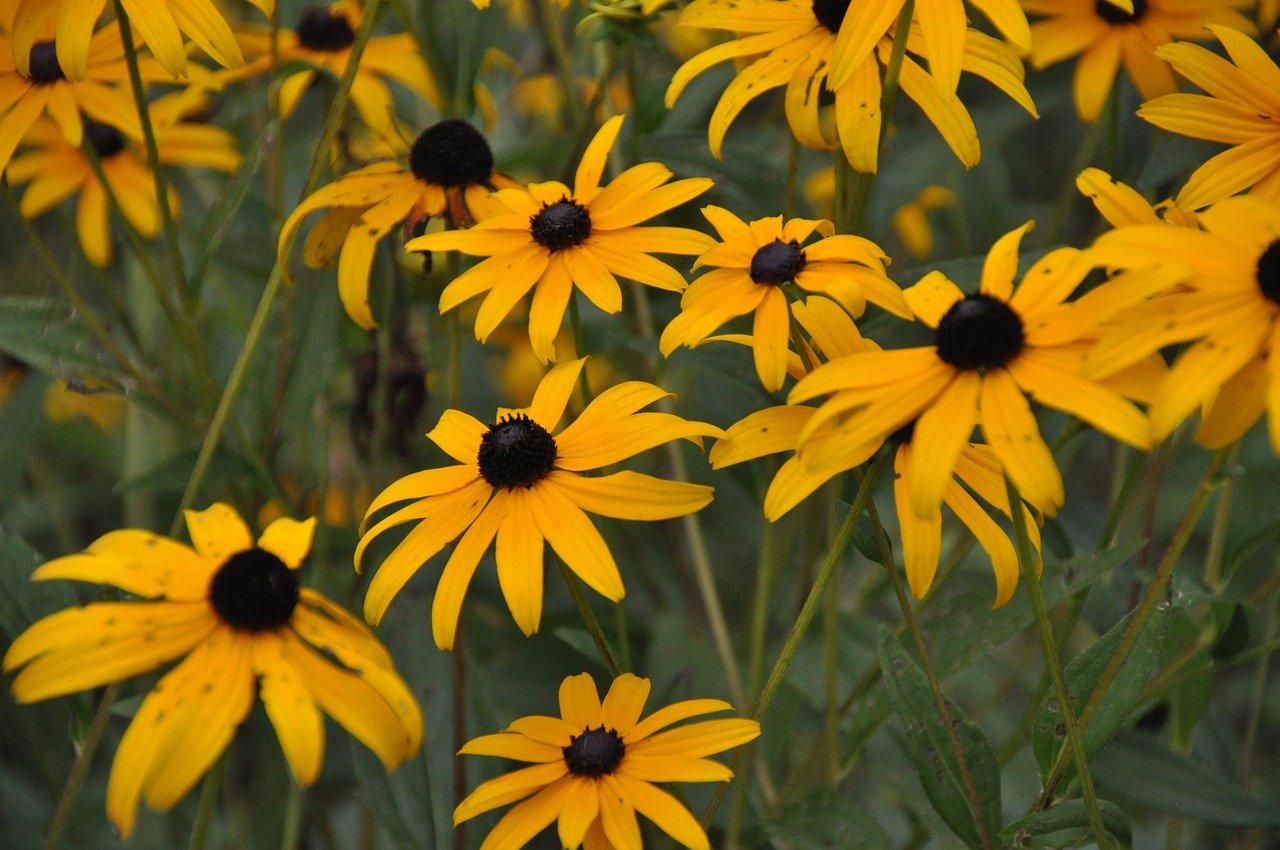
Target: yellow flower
(1242, 109)
(1120, 204)
(778, 429)
(56, 170)
(595, 766)
(516, 481)
(1227, 305)
(911, 220)
(814, 46)
(450, 171)
(1104, 35)
(95, 400)
(554, 239)
(160, 23)
(991, 348)
(44, 89)
(237, 613)
(323, 37)
(751, 266)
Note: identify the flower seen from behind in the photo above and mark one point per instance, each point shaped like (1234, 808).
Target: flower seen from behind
(751, 267)
(830, 45)
(554, 239)
(323, 37)
(593, 768)
(991, 349)
(517, 483)
(1241, 108)
(450, 171)
(1227, 308)
(237, 613)
(1104, 36)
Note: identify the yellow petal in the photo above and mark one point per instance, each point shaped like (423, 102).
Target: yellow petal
(580, 702)
(289, 540)
(298, 723)
(218, 532)
(446, 607)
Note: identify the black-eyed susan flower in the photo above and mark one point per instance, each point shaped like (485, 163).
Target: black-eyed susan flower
(1241, 108)
(450, 170)
(1227, 307)
(778, 429)
(750, 267)
(55, 170)
(43, 89)
(323, 37)
(160, 23)
(517, 482)
(237, 613)
(1104, 36)
(553, 239)
(834, 45)
(991, 349)
(593, 768)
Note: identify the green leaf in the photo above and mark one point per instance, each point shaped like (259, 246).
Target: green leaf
(966, 628)
(1146, 772)
(824, 820)
(23, 601)
(1048, 736)
(46, 334)
(1235, 637)
(401, 801)
(941, 773)
(19, 424)
(1066, 824)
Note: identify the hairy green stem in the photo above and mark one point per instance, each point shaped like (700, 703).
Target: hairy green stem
(829, 565)
(589, 619)
(292, 815)
(1053, 662)
(208, 804)
(80, 769)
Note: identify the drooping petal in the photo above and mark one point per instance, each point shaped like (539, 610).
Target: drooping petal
(1010, 429)
(298, 722)
(446, 607)
(519, 556)
(631, 495)
(664, 810)
(576, 540)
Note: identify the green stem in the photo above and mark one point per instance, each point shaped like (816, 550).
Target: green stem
(80, 769)
(829, 565)
(1213, 577)
(589, 619)
(1131, 475)
(208, 804)
(1153, 596)
(1075, 737)
(292, 815)
(153, 156)
(272, 290)
(939, 700)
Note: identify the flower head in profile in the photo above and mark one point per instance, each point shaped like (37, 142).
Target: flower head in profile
(554, 239)
(54, 170)
(838, 46)
(236, 611)
(517, 480)
(323, 37)
(160, 23)
(43, 89)
(751, 267)
(1226, 306)
(593, 768)
(1104, 34)
(991, 349)
(450, 171)
(1240, 107)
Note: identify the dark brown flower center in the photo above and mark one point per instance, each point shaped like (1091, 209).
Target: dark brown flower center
(323, 30)
(106, 140)
(516, 452)
(979, 332)
(777, 262)
(560, 225)
(1269, 272)
(830, 13)
(1115, 15)
(44, 63)
(254, 591)
(596, 752)
(451, 153)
